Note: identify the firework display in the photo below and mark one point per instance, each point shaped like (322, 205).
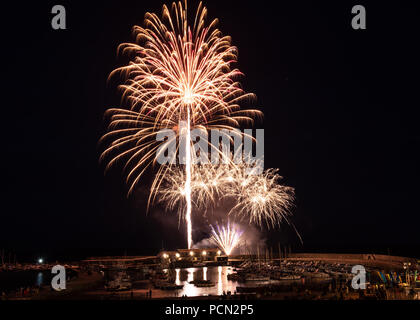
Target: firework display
(197, 156)
(177, 73)
(180, 78)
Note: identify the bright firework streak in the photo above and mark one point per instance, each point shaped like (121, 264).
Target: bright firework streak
(226, 238)
(188, 183)
(177, 73)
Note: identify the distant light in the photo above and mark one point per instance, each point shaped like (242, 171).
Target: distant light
(191, 253)
(219, 252)
(40, 260)
(177, 255)
(204, 253)
(165, 255)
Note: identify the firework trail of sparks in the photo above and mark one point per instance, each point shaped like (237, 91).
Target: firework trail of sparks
(226, 237)
(261, 198)
(258, 197)
(188, 185)
(177, 72)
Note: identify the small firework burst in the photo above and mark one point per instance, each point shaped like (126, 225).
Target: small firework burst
(227, 238)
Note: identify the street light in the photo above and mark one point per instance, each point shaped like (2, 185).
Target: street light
(40, 261)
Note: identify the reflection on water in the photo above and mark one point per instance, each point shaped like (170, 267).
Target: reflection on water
(177, 281)
(217, 275)
(39, 279)
(219, 281)
(189, 288)
(13, 280)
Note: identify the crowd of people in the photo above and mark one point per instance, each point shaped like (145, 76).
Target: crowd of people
(22, 292)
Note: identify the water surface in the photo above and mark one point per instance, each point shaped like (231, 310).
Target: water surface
(217, 275)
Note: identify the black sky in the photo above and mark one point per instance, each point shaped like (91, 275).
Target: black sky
(341, 124)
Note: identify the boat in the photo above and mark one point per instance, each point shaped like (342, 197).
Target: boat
(120, 283)
(234, 277)
(247, 289)
(161, 276)
(289, 277)
(166, 285)
(205, 285)
(172, 286)
(202, 283)
(254, 277)
(321, 275)
(200, 264)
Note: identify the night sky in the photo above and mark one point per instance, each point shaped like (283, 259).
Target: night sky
(341, 124)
